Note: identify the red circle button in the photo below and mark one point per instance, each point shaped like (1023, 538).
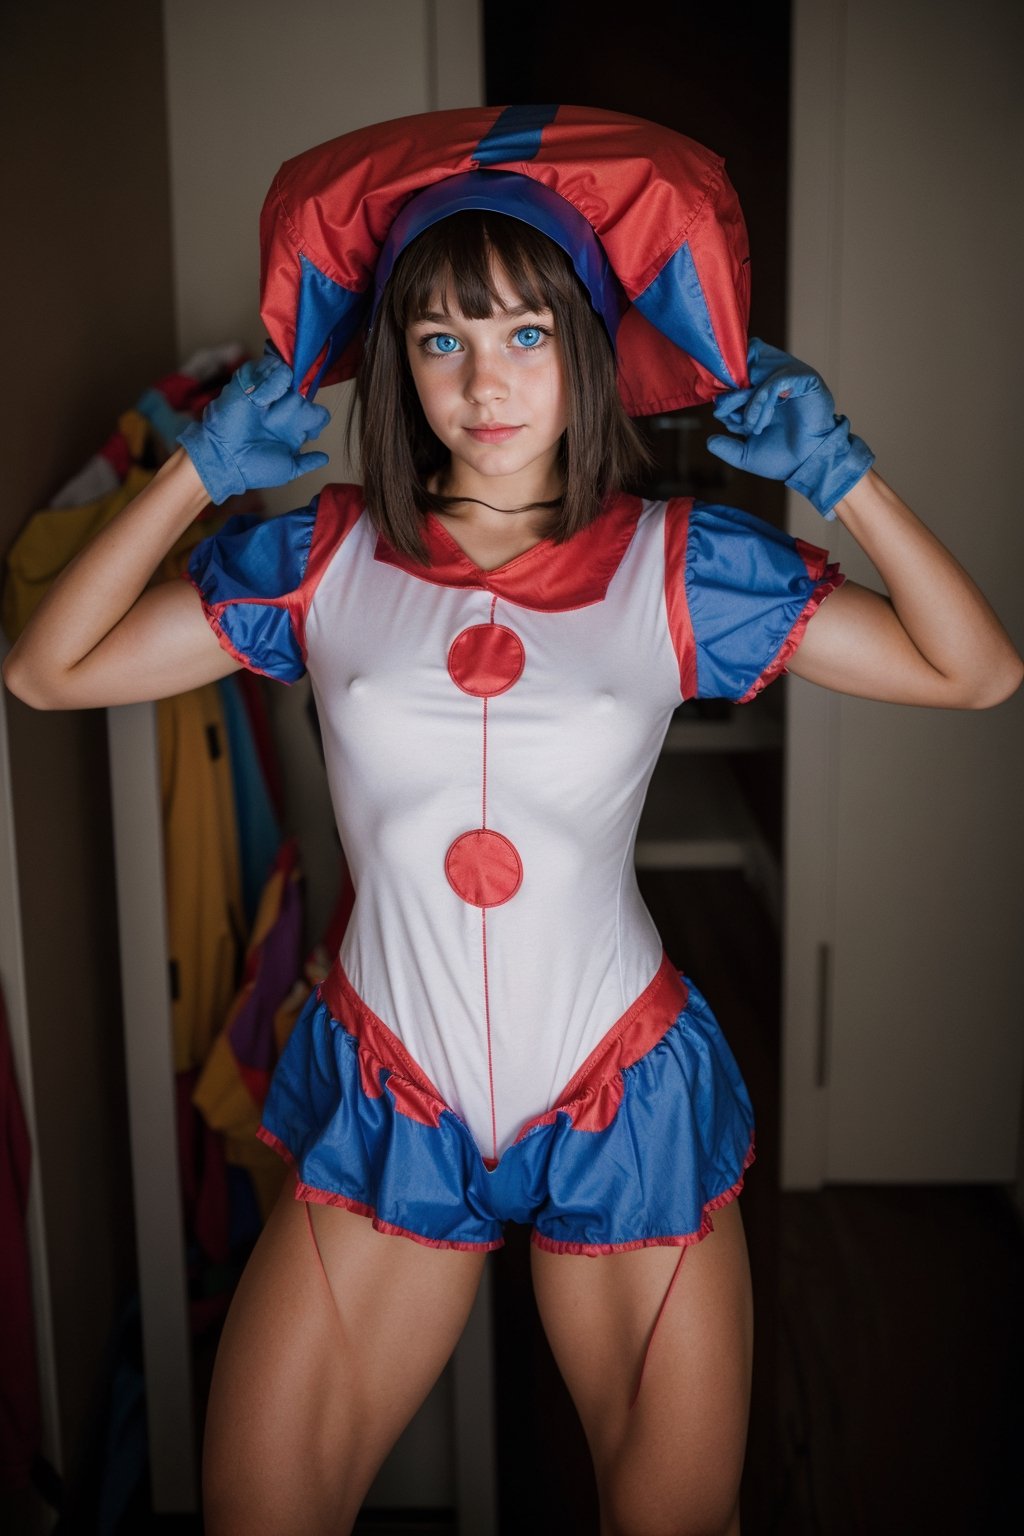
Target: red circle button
(486, 659)
(483, 868)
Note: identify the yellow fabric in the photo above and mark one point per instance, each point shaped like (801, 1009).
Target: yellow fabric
(49, 540)
(136, 431)
(227, 1106)
(53, 536)
(204, 889)
(222, 1096)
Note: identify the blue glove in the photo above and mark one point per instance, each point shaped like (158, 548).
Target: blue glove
(250, 435)
(787, 429)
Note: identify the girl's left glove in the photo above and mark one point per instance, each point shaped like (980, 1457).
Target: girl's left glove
(250, 435)
(787, 429)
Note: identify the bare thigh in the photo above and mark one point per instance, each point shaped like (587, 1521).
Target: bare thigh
(320, 1368)
(670, 1464)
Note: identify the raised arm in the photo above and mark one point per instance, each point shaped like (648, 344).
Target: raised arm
(100, 636)
(932, 639)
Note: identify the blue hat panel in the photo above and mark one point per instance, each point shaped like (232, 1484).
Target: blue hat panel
(675, 304)
(327, 313)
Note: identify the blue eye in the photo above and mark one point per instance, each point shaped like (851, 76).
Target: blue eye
(529, 336)
(442, 343)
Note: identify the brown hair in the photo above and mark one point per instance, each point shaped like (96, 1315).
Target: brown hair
(601, 451)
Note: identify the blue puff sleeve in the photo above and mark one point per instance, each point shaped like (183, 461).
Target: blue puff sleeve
(250, 579)
(750, 590)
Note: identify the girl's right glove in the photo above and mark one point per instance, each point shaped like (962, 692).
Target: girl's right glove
(250, 435)
(787, 429)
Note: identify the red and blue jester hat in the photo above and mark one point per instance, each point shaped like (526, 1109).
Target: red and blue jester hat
(665, 214)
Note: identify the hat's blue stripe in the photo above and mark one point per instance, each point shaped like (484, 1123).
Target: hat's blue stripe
(675, 304)
(515, 136)
(326, 310)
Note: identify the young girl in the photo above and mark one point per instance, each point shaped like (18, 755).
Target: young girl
(497, 636)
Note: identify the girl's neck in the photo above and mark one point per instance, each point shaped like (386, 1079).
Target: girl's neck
(509, 495)
(491, 532)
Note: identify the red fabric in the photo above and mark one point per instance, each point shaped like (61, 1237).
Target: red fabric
(644, 189)
(20, 1420)
(381, 1050)
(184, 393)
(592, 1095)
(677, 608)
(256, 1080)
(178, 389)
(486, 659)
(484, 868)
(203, 1170)
(548, 578)
(118, 454)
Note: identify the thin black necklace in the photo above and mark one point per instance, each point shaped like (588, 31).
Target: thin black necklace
(529, 507)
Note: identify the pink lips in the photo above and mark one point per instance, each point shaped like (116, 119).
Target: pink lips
(495, 433)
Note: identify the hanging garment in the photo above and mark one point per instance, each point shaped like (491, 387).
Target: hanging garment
(252, 692)
(205, 919)
(234, 1082)
(259, 832)
(54, 535)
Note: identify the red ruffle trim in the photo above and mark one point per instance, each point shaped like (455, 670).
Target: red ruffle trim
(328, 1197)
(223, 637)
(594, 1250)
(832, 579)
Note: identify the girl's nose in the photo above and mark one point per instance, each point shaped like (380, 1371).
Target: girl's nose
(484, 382)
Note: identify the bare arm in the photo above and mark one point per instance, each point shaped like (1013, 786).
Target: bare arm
(934, 640)
(99, 637)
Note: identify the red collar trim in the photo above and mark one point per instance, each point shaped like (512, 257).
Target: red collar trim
(549, 577)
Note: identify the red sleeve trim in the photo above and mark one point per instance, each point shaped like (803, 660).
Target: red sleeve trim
(677, 527)
(830, 580)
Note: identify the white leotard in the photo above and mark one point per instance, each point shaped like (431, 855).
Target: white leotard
(489, 738)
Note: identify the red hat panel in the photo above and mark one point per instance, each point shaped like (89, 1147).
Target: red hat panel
(661, 205)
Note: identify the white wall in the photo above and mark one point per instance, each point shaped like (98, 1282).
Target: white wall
(906, 842)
